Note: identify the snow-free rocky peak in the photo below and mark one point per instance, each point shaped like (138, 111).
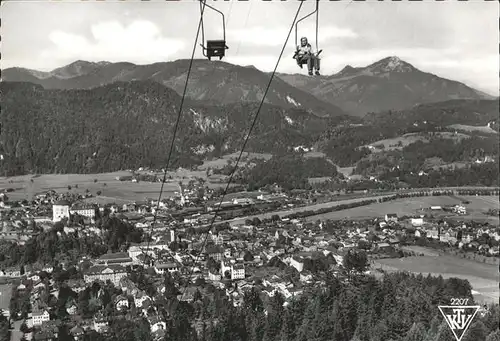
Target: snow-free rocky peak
(388, 84)
(391, 64)
(347, 70)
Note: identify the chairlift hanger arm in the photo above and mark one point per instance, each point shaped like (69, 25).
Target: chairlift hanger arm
(316, 10)
(202, 27)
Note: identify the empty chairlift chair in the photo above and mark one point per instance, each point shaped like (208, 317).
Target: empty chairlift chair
(214, 48)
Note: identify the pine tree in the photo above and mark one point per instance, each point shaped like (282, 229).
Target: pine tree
(433, 330)
(444, 333)
(319, 328)
(64, 335)
(476, 332)
(305, 328)
(274, 317)
(4, 327)
(252, 301)
(491, 318)
(389, 305)
(255, 323)
(286, 332)
(376, 302)
(363, 327)
(416, 333)
(348, 312)
(494, 336)
(380, 331)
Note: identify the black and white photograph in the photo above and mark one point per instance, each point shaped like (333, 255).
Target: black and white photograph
(229, 170)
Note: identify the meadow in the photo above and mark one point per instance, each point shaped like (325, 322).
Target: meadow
(482, 277)
(111, 190)
(223, 161)
(482, 129)
(407, 139)
(346, 171)
(340, 200)
(410, 206)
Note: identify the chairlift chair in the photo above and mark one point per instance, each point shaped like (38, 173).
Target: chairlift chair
(214, 48)
(316, 11)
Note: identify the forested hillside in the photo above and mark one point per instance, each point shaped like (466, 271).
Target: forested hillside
(401, 307)
(129, 125)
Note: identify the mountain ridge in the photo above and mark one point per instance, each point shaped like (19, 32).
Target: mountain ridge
(124, 125)
(387, 84)
(215, 81)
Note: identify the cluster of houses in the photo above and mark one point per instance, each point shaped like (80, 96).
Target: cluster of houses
(42, 321)
(484, 238)
(240, 255)
(457, 209)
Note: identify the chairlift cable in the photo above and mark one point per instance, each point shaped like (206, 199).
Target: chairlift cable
(214, 66)
(317, 25)
(244, 144)
(348, 4)
(239, 43)
(202, 27)
(229, 13)
(176, 126)
(245, 26)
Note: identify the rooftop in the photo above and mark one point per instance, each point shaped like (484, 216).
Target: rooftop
(169, 265)
(97, 269)
(214, 249)
(62, 203)
(83, 207)
(114, 256)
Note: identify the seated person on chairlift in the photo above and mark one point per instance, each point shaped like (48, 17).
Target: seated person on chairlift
(304, 55)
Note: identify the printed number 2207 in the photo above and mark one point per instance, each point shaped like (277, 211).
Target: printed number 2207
(459, 301)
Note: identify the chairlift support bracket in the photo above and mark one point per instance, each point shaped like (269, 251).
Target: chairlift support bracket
(316, 11)
(214, 48)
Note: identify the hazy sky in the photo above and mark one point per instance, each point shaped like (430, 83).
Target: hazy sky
(457, 40)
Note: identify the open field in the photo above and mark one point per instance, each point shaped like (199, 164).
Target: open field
(252, 195)
(347, 171)
(304, 208)
(409, 206)
(483, 129)
(457, 164)
(319, 180)
(482, 277)
(314, 154)
(478, 203)
(407, 139)
(436, 163)
(112, 190)
(421, 250)
(121, 192)
(478, 206)
(221, 162)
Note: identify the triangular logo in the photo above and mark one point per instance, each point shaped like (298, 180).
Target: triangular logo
(459, 318)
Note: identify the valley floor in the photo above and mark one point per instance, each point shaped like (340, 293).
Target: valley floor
(112, 190)
(411, 206)
(482, 277)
